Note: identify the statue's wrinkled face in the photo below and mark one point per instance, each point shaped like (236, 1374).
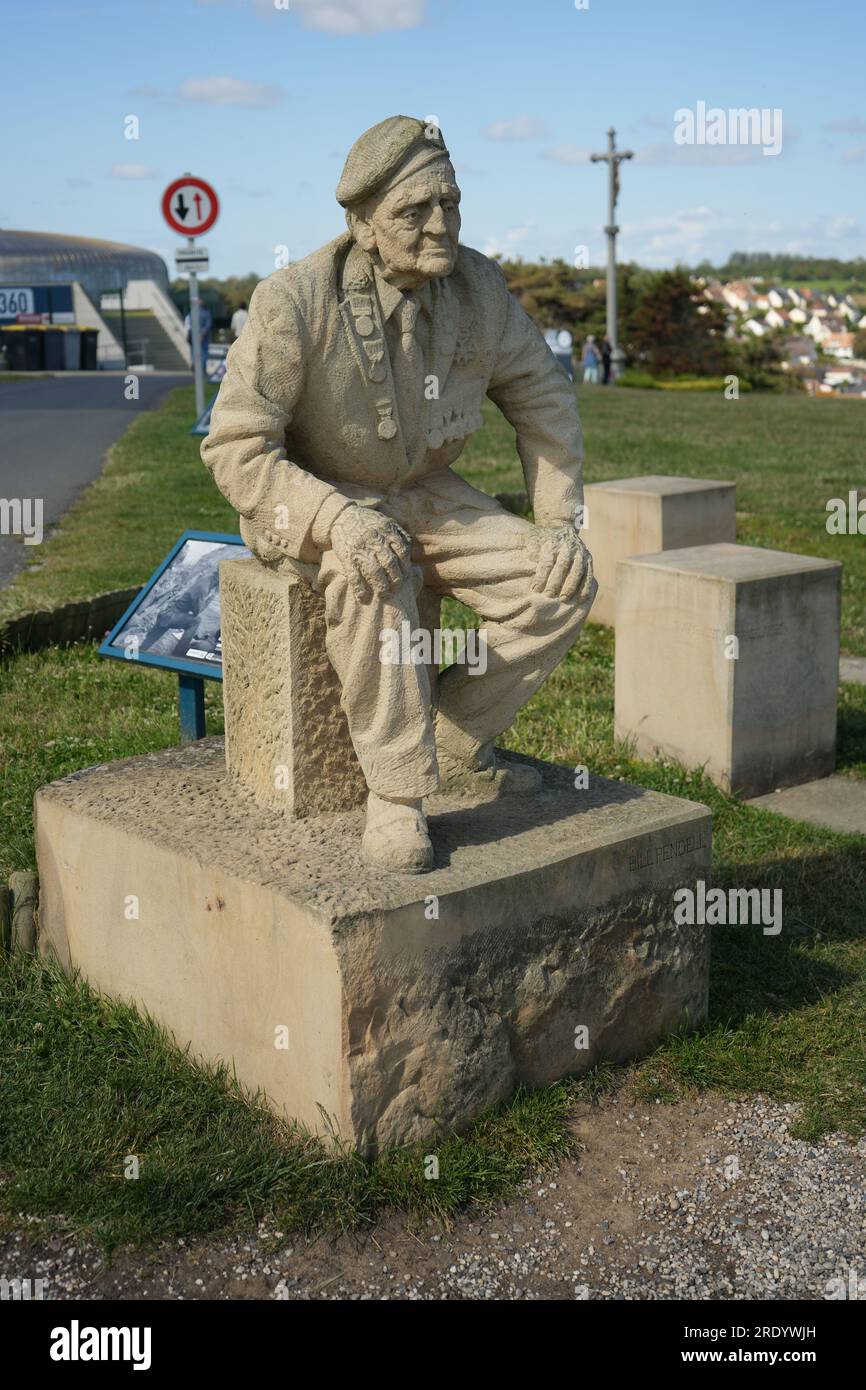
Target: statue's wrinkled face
(414, 227)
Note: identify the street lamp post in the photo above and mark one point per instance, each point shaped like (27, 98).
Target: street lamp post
(613, 158)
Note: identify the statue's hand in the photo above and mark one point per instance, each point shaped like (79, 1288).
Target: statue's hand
(374, 552)
(563, 563)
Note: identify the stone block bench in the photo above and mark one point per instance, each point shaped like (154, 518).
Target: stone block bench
(727, 656)
(641, 516)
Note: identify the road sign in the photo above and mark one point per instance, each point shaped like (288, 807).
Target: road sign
(192, 258)
(190, 206)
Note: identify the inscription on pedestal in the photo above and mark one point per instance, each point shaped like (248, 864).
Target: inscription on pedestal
(649, 856)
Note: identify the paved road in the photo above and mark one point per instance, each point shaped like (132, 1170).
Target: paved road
(54, 433)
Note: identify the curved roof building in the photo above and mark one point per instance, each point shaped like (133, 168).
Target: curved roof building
(48, 258)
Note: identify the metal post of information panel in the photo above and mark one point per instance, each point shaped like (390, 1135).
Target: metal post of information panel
(198, 366)
(190, 701)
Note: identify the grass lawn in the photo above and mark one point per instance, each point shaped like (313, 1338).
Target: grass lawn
(85, 1082)
(788, 456)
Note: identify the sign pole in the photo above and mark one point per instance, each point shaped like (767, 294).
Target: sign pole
(190, 702)
(195, 321)
(190, 206)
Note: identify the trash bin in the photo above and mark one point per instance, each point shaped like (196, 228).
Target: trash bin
(87, 354)
(72, 348)
(53, 353)
(24, 348)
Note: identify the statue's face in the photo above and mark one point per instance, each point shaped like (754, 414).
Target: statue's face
(415, 226)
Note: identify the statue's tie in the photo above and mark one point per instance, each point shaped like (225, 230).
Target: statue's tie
(409, 370)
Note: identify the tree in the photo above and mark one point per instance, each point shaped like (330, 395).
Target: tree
(556, 295)
(671, 329)
(222, 297)
(759, 362)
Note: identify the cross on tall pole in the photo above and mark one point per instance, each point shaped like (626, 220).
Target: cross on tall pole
(612, 159)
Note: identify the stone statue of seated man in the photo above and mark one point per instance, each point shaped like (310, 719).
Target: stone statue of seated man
(348, 398)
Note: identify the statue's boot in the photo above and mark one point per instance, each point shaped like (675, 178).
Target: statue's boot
(395, 837)
(478, 770)
(496, 779)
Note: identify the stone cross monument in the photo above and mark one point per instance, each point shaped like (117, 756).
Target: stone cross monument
(613, 158)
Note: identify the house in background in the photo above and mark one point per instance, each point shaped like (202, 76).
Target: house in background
(776, 318)
(839, 345)
(800, 352)
(740, 295)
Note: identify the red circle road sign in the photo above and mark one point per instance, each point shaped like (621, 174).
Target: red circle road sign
(190, 206)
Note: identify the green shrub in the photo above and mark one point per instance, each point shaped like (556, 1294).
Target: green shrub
(700, 383)
(641, 380)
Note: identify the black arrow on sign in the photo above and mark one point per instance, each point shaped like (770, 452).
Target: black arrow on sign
(181, 208)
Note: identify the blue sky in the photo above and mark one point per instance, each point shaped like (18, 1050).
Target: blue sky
(265, 102)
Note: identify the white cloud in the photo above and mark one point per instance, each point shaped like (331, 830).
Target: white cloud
(508, 242)
(855, 156)
(701, 214)
(669, 153)
(358, 16)
(221, 90)
(838, 228)
(700, 233)
(663, 240)
(339, 16)
(569, 154)
(131, 171)
(847, 125)
(515, 128)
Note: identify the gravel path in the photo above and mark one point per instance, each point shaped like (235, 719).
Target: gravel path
(705, 1200)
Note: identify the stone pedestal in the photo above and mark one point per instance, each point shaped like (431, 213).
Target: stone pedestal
(641, 516)
(402, 1006)
(727, 656)
(287, 739)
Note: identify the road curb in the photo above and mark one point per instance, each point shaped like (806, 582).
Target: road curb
(70, 622)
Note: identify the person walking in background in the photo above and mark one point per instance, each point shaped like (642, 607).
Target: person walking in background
(606, 352)
(205, 323)
(591, 361)
(239, 318)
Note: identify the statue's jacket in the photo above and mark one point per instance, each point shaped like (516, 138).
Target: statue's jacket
(308, 418)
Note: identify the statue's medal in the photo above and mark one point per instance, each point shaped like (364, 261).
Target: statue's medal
(387, 426)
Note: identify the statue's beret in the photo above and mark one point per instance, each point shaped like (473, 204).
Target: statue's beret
(381, 151)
